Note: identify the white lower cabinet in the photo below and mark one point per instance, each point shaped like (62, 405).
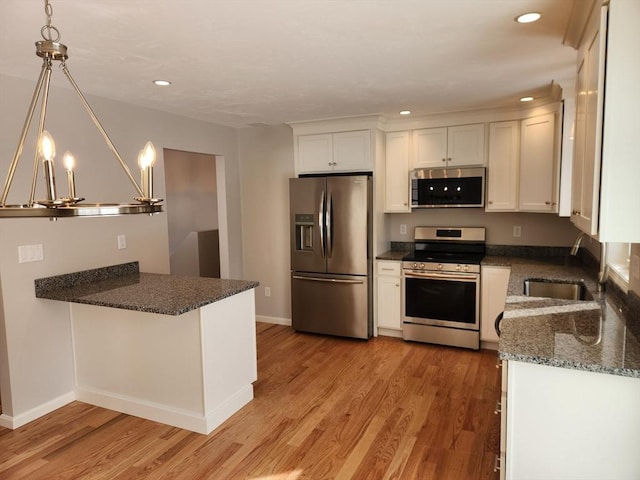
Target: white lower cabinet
(494, 281)
(569, 424)
(388, 294)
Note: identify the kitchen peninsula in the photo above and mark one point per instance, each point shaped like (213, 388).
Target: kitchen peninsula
(174, 349)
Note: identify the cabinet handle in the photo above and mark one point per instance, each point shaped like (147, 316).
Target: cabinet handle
(498, 362)
(547, 203)
(444, 159)
(498, 408)
(387, 269)
(496, 464)
(449, 159)
(490, 202)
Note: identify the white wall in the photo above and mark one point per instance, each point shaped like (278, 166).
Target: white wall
(35, 343)
(266, 157)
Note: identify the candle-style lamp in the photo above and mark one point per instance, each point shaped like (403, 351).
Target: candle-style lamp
(47, 150)
(69, 163)
(146, 160)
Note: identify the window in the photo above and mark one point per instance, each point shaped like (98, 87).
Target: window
(618, 256)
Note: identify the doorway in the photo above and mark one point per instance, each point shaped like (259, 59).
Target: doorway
(193, 207)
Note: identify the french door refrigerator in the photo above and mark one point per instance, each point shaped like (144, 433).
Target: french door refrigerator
(331, 261)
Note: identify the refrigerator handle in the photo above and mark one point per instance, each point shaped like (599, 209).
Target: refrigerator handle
(321, 223)
(329, 225)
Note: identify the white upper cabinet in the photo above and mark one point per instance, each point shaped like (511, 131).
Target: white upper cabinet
(606, 195)
(502, 166)
(461, 145)
(538, 188)
(396, 180)
(585, 195)
(335, 152)
(523, 169)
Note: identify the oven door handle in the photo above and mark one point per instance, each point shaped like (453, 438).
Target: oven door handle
(442, 276)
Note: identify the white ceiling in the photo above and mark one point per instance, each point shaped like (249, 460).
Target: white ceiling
(241, 62)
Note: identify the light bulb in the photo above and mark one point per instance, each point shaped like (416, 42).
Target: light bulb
(68, 161)
(47, 146)
(150, 154)
(142, 161)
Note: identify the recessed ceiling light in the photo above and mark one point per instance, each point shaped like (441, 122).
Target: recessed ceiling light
(162, 83)
(405, 112)
(528, 17)
(526, 99)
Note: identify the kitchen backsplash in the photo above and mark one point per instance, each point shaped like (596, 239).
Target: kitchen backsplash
(540, 229)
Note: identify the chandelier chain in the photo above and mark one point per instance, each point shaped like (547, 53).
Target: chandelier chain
(46, 30)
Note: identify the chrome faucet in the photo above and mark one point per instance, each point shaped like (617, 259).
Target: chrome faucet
(576, 244)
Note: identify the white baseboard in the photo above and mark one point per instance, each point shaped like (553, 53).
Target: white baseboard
(274, 320)
(17, 421)
(389, 332)
(488, 345)
(194, 421)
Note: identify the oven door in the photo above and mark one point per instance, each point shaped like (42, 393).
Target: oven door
(441, 299)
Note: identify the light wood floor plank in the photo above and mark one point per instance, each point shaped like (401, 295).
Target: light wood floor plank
(324, 408)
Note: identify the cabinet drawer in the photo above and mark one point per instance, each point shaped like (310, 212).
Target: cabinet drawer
(388, 268)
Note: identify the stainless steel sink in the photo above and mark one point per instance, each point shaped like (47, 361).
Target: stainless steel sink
(568, 290)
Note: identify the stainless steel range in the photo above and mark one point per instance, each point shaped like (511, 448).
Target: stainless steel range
(441, 286)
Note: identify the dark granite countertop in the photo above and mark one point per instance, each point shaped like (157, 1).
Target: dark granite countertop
(394, 255)
(593, 335)
(122, 286)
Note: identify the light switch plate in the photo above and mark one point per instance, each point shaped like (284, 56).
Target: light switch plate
(30, 253)
(517, 231)
(122, 242)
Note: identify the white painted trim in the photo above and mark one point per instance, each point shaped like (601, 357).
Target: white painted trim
(41, 410)
(204, 424)
(389, 332)
(488, 345)
(274, 320)
(223, 226)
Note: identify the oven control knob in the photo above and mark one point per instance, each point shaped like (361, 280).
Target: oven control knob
(415, 266)
(458, 267)
(466, 268)
(439, 266)
(422, 266)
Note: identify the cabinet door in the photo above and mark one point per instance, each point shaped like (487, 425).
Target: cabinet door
(388, 293)
(494, 282)
(352, 151)
(429, 148)
(588, 127)
(502, 171)
(315, 153)
(465, 145)
(396, 182)
(538, 172)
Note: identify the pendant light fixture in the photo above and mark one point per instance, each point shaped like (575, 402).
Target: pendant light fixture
(50, 50)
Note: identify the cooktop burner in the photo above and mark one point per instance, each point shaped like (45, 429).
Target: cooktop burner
(448, 245)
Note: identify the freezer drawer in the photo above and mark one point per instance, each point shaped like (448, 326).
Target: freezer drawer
(331, 304)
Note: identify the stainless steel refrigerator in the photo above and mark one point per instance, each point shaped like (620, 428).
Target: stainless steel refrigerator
(331, 261)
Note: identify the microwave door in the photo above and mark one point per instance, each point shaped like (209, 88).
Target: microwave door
(307, 205)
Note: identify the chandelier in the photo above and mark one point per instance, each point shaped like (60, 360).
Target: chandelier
(53, 207)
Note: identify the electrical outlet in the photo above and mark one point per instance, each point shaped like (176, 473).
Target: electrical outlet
(517, 231)
(403, 229)
(122, 242)
(267, 291)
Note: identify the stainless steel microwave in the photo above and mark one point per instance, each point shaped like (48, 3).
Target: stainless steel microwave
(448, 187)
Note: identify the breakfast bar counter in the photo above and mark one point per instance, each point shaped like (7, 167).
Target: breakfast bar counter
(175, 349)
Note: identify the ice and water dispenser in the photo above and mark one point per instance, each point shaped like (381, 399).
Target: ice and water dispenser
(304, 225)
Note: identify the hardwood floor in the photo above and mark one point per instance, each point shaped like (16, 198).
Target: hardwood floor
(324, 408)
